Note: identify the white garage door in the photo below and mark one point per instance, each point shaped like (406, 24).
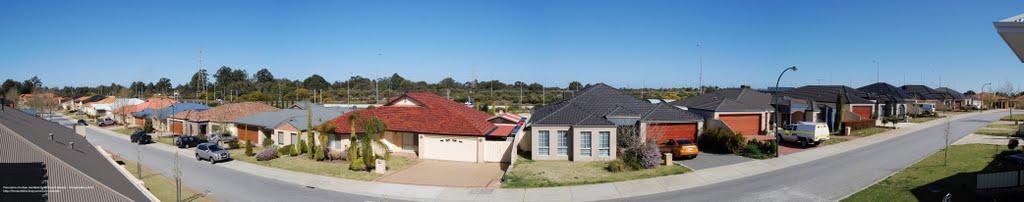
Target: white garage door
(450, 148)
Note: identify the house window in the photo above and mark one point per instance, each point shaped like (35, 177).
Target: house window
(330, 141)
(295, 138)
(543, 140)
(280, 138)
(604, 139)
(563, 142)
(585, 143)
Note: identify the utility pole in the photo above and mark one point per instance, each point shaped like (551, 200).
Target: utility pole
(177, 176)
(945, 150)
(700, 78)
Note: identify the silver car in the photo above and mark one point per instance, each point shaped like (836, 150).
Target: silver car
(222, 137)
(211, 152)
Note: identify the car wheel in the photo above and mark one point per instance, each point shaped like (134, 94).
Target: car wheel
(211, 161)
(197, 158)
(803, 142)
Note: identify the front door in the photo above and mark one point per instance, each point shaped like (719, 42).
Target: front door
(409, 142)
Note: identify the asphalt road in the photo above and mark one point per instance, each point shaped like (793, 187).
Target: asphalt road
(832, 178)
(220, 183)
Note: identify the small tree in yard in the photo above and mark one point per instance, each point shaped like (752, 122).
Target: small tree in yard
(840, 101)
(248, 148)
(267, 141)
(148, 127)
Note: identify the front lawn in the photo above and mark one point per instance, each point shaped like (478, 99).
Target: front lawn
(868, 131)
(162, 187)
(528, 173)
(998, 128)
(917, 182)
(338, 169)
(1019, 117)
(922, 119)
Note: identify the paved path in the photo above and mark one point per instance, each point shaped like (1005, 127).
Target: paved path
(448, 173)
(983, 139)
(838, 176)
(709, 160)
(222, 184)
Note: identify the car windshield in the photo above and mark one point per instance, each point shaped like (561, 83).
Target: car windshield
(213, 148)
(683, 142)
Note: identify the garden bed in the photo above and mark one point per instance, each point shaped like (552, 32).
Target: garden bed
(528, 173)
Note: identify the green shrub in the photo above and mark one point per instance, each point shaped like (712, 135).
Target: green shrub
(618, 165)
(357, 165)
(267, 141)
(294, 152)
(318, 155)
(758, 149)
(148, 127)
(286, 150)
(630, 158)
(859, 124)
(233, 144)
(303, 148)
(248, 148)
(717, 140)
(1012, 144)
(336, 154)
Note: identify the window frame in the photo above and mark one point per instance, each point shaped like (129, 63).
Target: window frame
(544, 142)
(604, 143)
(586, 143)
(563, 142)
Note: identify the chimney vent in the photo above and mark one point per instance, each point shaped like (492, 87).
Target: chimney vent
(51, 136)
(72, 145)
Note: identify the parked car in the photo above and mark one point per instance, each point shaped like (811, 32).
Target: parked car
(211, 152)
(680, 148)
(222, 137)
(927, 109)
(806, 133)
(106, 121)
(82, 122)
(1015, 159)
(141, 137)
(188, 141)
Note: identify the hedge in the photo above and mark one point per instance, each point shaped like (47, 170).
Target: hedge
(859, 124)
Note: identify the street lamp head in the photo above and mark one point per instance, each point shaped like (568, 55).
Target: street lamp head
(792, 68)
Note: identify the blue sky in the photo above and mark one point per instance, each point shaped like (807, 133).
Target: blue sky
(625, 44)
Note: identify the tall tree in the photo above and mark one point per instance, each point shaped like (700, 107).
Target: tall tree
(223, 76)
(264, 76)
(575, 85)
(163, 85)
(315, 82)
(840, 102)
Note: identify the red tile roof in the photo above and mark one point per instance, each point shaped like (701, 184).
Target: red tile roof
(433, 115)
(151, 103)
(226, 113)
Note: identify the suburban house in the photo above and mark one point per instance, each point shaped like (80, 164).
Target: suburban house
(925, 94)
(151, 103)
(159, 116)
(295, 125)
(993, 101)
(740, 110)
(432, 127)
(44, 154)
(81, 101)
(261, 125)
(823, 99)
(956, 100)
(122, 106)
(217, 119)
(91, 108)
(891, 100)
(585, 125)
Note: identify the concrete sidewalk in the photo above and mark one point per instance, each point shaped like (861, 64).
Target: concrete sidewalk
(569, 193)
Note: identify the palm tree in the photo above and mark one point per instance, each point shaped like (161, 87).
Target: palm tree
(362, 147)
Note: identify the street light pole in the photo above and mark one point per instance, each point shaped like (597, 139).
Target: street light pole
(700, 78)
(777, 111)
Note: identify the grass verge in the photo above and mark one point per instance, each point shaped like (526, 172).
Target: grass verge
(1019, 117)
(338, 169)
(162, 187)
(868, 131)
(834, 140)
(917, 182)
(922, 119)
(528, 173)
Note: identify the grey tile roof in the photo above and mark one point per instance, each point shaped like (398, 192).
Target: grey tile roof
(594, 104)
(25, 140)
(273, 119)
(887, 93)
(922, 92)
(729, 100)
(827, 94)
(952, 93)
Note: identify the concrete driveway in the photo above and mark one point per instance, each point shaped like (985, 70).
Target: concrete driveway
(448, 173)
(709, 160)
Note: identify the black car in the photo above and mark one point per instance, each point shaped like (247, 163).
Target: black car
(141, 137)
(188, 141)
(82, 122)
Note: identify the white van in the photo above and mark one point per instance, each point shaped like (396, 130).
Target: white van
(804, 132)
(927, 109)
